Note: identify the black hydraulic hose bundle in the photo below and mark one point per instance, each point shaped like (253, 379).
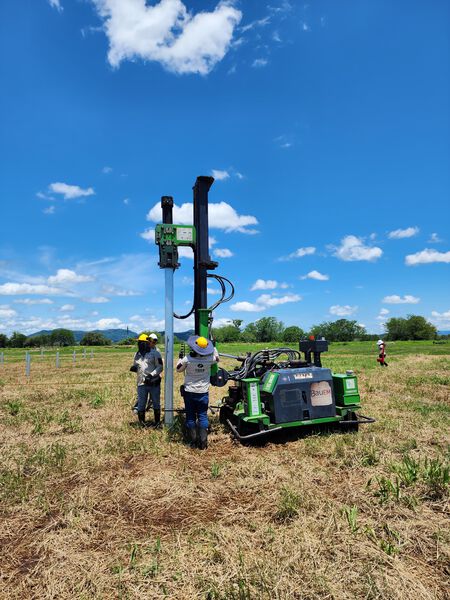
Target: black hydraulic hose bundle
(251, 361)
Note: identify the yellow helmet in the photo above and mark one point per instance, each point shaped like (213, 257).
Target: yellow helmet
(143, 337)
(202, 342)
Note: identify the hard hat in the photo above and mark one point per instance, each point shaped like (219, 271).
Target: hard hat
(200, 345)
(153, 336)
(380, 342)
(143, 338)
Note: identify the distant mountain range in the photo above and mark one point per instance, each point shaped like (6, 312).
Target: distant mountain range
(115, 335)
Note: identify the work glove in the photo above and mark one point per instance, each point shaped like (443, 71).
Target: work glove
(134, 369)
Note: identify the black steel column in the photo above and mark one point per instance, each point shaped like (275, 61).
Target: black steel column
(202, 260)
(167, 209)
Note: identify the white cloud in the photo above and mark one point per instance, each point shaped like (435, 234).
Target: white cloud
(299, 253)
(56, 4)
(352, 248)
(185, 252)
(17, 289)
(68, 276)
(382, 314)
(223, 253)
(107, 170)
(50, 210)
(263, 302)
(221, 216)
(67, 307)
(70, 192)
(342, 311)
(434, 239)
(395, 299)
(427, 256)
(259, 62)
(112, 323)
(399, 234)
(442, 320)
(126, 201)
(148, 234)
(258, 23)
(167, 33)
(246, 307)
(261, 284)
(30, 301)
(6, 312)
(268, 300)
(316, 275)
(220, 175)
(96, 300)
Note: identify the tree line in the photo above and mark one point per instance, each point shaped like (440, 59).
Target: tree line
(267, 329)
(57, 337)
(270, 329)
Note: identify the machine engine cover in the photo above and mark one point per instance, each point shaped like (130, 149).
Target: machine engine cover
(301, 395)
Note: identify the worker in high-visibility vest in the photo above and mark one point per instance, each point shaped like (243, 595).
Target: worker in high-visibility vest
(148, 366)
(382, 353)
(197, 368)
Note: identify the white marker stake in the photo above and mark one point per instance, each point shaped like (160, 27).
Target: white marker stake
(74, 357)
(57, 360)
(2, 358)
(27, 364)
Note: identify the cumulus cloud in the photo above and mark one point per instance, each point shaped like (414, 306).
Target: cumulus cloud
(260, 62)
(68, 276)
(352, 248)
(316, 275)
(50, 210)
(222, 253)
(148, 234)
(246, 307)
(6, 312)
(70, 192)
(107, 170)
(342, 311)
(112, 323)
(261, 284)
(382, 314)
(18, 289)
(395, 299)
(221, 216)
(441, 319)
(220, 175)
(167, 33)
(263, 302)
(299, 253)
(427, 256)
(67, 307)
(399, 234)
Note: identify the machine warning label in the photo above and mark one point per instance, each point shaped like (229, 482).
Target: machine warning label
(303, 376)
(254, 400)
(321, 393)
(350, 384)
(184, 234)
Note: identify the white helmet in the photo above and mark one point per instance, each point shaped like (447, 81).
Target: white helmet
(380, 342)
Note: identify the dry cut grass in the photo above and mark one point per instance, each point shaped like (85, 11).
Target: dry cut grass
(95, 508)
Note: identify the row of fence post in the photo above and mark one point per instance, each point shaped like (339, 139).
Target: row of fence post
(58, 362)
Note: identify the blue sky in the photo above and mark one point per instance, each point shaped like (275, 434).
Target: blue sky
(325, 123)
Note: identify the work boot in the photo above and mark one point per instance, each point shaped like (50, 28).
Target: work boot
(193, 436)
(157, 413)
(203, 441)
(141, 418)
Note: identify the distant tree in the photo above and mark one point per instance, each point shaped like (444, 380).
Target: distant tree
(129, 341)
(62, 337)
(414, 327)
(17, 340)
(37, 341)
(3, 340)
(293, 334)
(341, 330)
(94, 338)
(237, 323)
(267, 329)
(226, 333)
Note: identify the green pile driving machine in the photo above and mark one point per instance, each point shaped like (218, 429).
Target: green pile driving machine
(270, 390)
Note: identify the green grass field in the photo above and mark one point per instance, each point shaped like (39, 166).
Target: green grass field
(94, 508)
